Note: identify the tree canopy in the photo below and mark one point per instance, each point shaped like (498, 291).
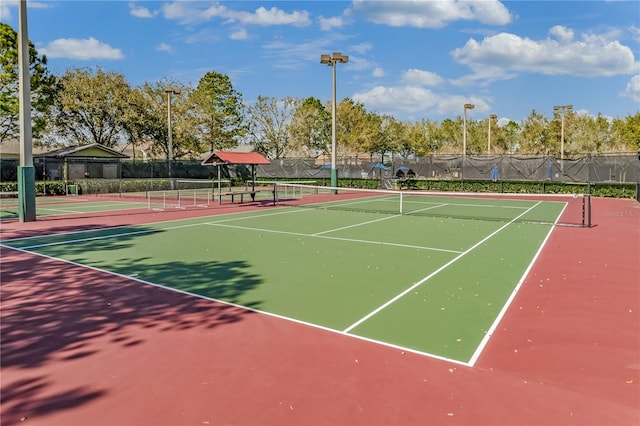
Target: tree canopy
(43, 86)
(94, 105)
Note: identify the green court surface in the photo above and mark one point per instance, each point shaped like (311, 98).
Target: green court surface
(430, 285)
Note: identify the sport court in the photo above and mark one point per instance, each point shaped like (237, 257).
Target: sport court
(430, 274)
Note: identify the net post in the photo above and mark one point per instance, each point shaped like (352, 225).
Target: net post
(589, 210)
(275, 185)
(401, 203)
(583, 209)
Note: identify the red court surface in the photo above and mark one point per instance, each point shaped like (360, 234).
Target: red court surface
(82, 347)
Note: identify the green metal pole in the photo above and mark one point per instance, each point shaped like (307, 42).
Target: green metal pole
(26, 194)
(334, 113)
(26, 171)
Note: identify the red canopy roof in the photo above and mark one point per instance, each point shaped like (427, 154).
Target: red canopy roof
(226, 157)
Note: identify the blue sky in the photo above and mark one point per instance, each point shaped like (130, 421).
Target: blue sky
(410, 59)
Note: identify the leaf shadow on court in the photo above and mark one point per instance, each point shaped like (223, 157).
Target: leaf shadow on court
(58, 315)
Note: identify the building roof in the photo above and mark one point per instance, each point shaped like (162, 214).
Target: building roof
(10, 148)
(227, 157)
(91, 150)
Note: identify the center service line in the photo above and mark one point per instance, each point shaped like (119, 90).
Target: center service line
(437, 271)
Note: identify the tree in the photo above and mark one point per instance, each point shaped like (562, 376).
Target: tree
(625, 134)
(269, 120)
(43, 86)
(310, 128)
(450, 136)
(354, 131)
(425, 138)
(391, 136)
(219, 110)
(90, 106)
(535, 136)
(476, 137)
(588, 135)
(511, 133)
(150, 119)
(145, 120)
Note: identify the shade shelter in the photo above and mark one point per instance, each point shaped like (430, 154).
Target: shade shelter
(226, 158)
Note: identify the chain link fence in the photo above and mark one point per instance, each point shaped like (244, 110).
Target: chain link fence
(619, 168)
(623, 168)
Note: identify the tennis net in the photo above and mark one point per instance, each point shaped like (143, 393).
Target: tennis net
(556, 209)
(178, 199)
(210, 184)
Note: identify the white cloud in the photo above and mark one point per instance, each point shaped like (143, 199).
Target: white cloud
(206, 35)
(5, 11)
(422, 78)
(274, 16)
(633, 89)
(240, 34)
(592, 56)
(563, 34)
(484, 76)
(193, 12)
(430, 13)
(407, 99)
(360, 48)
(328, 24)
(82, 49)
(164, 47)
(6, 5)
(415, 100)
(141, 12)
(378, 72)
(635, 33)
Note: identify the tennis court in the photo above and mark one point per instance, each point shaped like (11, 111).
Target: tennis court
(323, 308)
(432, 284)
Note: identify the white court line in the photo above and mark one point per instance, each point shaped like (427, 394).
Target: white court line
(137, 232)
(351, 240)
(249, 309)
(495, 206)
(204, 218)
(51, 209)
(317, 234)
(507, 304)
(373, 221)
(104, 237)
(437, 271)
(344, 333)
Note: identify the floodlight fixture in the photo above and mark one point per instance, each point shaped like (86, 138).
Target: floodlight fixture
(332, 60)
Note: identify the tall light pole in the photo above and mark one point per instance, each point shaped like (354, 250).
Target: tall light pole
(563, 109)
(26, 171)
(489, 121)
(464, 130)
(332, 60)
(169, 91)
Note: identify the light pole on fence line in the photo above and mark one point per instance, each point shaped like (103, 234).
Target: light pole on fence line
(169, 91)
(563, 109)
(26, 171)
(464, 132)
(491, 118)
(332, 60)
